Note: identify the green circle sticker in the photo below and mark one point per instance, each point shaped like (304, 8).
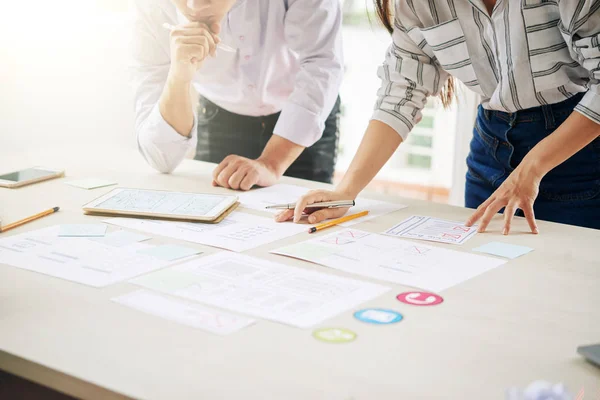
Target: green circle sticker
(334, 335)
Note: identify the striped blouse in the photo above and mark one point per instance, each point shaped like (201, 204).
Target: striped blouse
(526, 54)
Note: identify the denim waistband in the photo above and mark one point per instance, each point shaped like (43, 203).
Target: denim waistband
(547, 113)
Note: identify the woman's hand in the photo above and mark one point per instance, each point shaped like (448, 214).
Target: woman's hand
(316, 214)
(519, 191)
(191, 44)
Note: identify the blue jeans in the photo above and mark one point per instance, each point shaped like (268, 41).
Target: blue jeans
(569, 194)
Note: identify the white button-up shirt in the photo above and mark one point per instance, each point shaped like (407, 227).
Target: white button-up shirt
(288, 59)
(528, 53)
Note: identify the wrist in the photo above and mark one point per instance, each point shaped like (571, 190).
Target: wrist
(275, 167)
(348, 190)
(535, 166)
(176, 80)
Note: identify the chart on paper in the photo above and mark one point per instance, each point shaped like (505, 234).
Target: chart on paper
(432, 229)
(258, 199)
(389, 259)
(262, 289)
(83, 260)
(238, 232)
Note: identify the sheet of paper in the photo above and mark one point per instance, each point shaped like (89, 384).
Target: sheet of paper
(258, 199)
(122, 238)
(433, 230)
(91, 183)
(76, 259)
(263, 289)
(170, 252)
(82, 230)
(238, 232)
(390, 259)
(162, 202)
(376, 209)
(505, 250)
(184, 312)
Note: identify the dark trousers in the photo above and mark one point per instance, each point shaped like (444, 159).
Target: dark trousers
(569, 194)
(222, 133)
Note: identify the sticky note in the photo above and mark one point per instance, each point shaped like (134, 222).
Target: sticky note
(122, 238)
(505, 250)
(91, 183)
(420, 298)
(170, 252)
(82, 230)
(378, 316)
(334, 335)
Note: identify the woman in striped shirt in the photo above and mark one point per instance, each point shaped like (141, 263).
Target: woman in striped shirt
(535, 150)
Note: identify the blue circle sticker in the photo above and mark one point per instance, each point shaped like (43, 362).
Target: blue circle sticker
(378, 316)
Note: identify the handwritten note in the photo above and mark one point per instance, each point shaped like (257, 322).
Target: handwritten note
(184, 312)
(237, 232)
(77, 259)
(262, 288)
(433, 230)
(390, 259)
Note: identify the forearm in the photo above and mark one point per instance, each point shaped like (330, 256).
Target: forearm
(573, 135)
(279, 154)
(175, 105)
(377, 146)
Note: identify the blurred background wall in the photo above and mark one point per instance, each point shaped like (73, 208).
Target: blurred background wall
(63, 79)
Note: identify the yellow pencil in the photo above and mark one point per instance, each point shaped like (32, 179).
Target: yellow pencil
(335, 222)
(26, 220)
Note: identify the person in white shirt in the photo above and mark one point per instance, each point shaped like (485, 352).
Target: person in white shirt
(535, 150)
(268, 74)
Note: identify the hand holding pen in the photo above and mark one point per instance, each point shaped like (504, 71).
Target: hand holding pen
(191, 44)
(320, 205)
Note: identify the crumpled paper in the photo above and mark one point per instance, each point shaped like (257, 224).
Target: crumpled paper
(540, 390)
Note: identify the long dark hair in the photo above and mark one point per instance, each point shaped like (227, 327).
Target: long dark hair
(384, 12)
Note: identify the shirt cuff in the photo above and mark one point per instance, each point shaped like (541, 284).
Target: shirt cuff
(299, 125)
(394, 120)
(162, 146)
(590, 106)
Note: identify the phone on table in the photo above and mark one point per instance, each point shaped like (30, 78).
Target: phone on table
(28, 176)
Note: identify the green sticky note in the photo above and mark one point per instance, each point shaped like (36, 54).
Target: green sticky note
(91, 183)
(334, 335)
(82, 230)
(505, 250)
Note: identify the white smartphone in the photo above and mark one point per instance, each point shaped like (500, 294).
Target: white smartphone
(28, 176)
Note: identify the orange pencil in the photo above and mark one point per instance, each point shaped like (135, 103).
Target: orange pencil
(26, 220)
(335, 222)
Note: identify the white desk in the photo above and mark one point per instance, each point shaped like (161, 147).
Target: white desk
(516, 324)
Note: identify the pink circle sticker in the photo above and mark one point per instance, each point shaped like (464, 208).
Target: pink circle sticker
(420, 298)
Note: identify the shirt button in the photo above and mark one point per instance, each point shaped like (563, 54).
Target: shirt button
(242, 38)
(247, 58)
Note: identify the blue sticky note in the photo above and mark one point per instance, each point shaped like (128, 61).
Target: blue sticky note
(170, 252)
(82, 230)
(378, 316)
(505, 250)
